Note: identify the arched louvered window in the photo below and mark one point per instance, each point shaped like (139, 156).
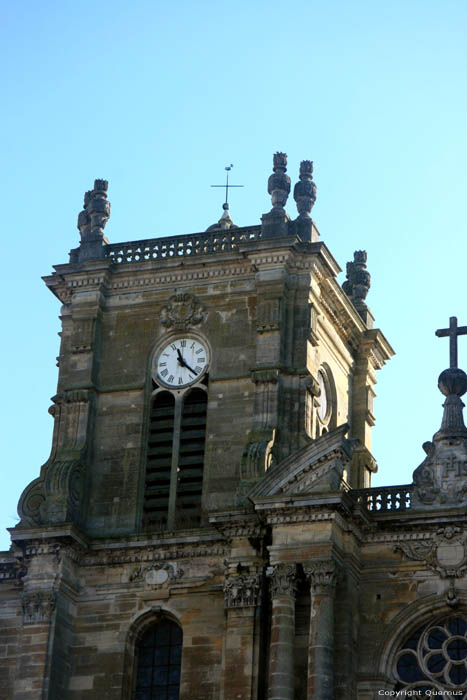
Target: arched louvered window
(191, 455)
(175, 459)
(159, 458)
(159, 659)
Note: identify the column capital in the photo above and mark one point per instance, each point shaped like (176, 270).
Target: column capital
(38, 606)
(283, 579)
(323, 576)
(241, 591)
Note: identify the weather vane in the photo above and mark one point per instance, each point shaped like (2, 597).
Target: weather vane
(228, 168)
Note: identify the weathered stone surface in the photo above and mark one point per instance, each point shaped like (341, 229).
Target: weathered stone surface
(251, 584)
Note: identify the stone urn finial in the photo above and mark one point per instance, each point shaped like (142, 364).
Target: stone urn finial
(99, 208)
(358, 280)
(96, 212)
(279, 182)
(305, 190)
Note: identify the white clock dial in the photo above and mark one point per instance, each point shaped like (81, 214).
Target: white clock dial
(181, 362)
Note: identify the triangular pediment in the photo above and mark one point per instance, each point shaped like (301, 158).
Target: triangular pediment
(319, 466)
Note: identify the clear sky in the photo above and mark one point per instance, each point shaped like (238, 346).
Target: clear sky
(158, 97)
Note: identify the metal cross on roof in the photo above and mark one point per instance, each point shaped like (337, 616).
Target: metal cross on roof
(453, 331)
(227, 185)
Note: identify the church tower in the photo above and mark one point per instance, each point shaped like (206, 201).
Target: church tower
(205, 525)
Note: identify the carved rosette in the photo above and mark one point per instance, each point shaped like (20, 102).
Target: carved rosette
(38, 606)
(241, 591)
(157, 574)
(323, 576)
(283, 580)
(183, 311)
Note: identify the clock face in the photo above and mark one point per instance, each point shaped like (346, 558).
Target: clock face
(181, 362)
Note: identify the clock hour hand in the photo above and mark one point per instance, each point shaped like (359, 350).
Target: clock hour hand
(183, 363)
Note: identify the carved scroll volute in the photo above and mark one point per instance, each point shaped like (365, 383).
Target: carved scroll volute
(56, 496)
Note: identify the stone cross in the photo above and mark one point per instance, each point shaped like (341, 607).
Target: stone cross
(453, 331)
(227, 185)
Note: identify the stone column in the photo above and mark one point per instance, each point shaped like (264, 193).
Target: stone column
(242, 598)
(323, 578)
(281, 661)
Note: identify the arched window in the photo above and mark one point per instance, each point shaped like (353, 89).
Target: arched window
(159, 658)
(434, 657)
(175, 458)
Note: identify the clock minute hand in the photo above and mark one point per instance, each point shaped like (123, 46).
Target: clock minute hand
(184, 364)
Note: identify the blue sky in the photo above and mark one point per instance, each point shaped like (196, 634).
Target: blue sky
(158, 97)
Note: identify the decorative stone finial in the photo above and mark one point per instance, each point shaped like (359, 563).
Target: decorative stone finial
(96, 212)
(279, 183)
(442, 476)
(304, 191)
(225, 222)
(92, 220)
(358, 283)
(358, 278)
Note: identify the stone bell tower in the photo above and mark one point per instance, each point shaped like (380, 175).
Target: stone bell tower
(201, 377)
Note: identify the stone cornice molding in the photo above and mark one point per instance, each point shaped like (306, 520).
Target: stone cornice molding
(180, 551)
(375, 347)
(283, 580)
(234, 524)
(280, 477)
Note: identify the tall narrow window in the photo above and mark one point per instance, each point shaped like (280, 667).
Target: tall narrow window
(159, 658)
(175, 458)
(191, 455)
(159, 458)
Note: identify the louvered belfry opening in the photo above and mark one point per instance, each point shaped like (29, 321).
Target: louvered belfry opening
(191, 457)
(159, 459)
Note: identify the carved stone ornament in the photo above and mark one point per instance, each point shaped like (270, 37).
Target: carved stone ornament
(38, 606)
(56, 495)
(358, 280)
(241, 591)
(283, 578)
(322, 575)
(445, 553)
(304, 191)
(279, 182)
(96, 212)
(183, 311)
(158, 574)
(441, 479)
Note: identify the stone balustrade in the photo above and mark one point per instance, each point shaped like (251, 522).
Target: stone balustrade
(193, 244)
(384, 499)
